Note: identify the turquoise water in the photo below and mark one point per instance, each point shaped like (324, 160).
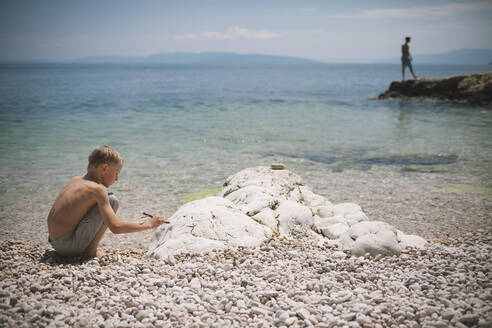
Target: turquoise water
(186, 128)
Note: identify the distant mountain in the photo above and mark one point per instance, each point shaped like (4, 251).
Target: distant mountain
(108, 59)
(460, 56)
(209, 58)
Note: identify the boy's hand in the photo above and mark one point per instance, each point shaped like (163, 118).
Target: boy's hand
(156, 221)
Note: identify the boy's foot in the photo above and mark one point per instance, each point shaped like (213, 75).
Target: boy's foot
(98, 253)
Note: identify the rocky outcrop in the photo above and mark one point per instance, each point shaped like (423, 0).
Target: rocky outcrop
(474, 89)
(260, 203)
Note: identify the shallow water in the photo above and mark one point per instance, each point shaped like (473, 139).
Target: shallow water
(186, 128)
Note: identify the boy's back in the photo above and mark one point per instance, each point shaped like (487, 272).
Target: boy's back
(73, 202)
(405, 50)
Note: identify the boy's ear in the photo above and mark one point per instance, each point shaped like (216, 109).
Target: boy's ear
(103, 167)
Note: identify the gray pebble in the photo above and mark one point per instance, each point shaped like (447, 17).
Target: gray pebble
(469, 319)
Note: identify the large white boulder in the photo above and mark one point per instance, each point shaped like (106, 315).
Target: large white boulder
(206, 224)
(258, 203)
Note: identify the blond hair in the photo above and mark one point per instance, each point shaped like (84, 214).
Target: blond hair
(104, 155)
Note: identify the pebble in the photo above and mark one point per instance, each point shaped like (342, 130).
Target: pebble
(258, 311)
(240, 304)
(171, 260)
(278, 166)
(195, 283)
(142, 314)
(469, 319)
(303, 313)
(290, 321)
(447, 314)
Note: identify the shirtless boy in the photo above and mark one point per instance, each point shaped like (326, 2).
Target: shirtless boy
(406, 59)
(84, 209)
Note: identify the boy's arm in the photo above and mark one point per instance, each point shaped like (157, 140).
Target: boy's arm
(117, 226)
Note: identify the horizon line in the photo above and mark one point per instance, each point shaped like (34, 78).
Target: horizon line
(388, 60)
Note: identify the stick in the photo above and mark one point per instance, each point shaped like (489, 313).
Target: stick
(150, 215)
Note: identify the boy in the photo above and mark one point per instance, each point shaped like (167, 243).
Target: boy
(84, 209)
(406, 59)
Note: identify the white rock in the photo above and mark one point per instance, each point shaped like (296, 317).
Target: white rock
(277, 182)
(290, 321)
(292, 215)
(341, 297)
(303, 313)
(411, 240)
(142, 314)
(258, 311)
(251, 199)
(283, 316)
(267, 217)
(344, 209)
(334, 231)
(362, 319)
(351, 212)
(205, 224)
(326, 211)
(261, 203)
(332, 220)
(376, 245)
(374, 237)
(339, 255)
(311, 199)
(195, 283)
(190, 307)
(171, 260)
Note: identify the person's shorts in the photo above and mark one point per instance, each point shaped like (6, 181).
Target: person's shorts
(406, 61)
(75, 243)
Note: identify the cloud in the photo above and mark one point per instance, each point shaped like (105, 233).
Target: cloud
(232, 33)
(421, 12)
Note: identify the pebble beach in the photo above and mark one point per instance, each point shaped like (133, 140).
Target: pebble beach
(288, 282)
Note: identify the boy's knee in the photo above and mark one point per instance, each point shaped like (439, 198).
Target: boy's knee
(114, 202)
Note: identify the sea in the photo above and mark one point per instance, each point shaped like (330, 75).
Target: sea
(184, 129)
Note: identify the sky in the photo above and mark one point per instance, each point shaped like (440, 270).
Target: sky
(321, 30)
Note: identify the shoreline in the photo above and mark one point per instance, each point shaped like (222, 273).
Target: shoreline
(424, 204)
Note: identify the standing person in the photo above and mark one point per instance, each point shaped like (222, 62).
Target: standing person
(406, 59)
(84, 208)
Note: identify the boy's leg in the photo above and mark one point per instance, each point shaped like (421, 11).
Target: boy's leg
(91, 250)
(411, 70)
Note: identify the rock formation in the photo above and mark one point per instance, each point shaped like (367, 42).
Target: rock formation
(260, 203)
(473, 89)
